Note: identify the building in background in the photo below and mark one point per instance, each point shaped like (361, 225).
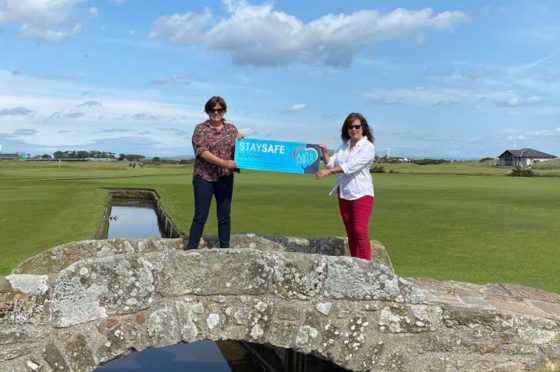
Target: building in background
(523, 157)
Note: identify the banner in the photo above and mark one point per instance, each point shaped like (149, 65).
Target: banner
(277, 156)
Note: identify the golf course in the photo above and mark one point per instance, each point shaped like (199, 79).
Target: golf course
(463, 221)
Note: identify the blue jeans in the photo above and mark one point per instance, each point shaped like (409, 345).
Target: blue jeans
(222, 190)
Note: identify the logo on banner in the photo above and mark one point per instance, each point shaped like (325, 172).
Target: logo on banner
(304, 157)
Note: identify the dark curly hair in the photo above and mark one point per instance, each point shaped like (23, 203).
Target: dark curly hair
(366, 130)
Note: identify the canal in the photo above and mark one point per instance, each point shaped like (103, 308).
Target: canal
(137, 218)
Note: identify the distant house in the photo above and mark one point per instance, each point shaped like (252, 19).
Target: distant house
(523, 157)
(9, 156)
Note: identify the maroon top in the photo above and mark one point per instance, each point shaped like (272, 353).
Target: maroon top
(219, 143)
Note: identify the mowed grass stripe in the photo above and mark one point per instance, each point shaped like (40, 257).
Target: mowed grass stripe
(451, 227)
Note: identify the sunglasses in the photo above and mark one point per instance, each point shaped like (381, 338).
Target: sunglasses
(354, 127)
(219, 111)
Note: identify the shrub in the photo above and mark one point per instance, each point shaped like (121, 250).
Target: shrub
(429, 161)
(547, 165)
(377, 169)
(522, 172)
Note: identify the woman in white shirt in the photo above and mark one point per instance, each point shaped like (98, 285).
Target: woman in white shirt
(354, 186)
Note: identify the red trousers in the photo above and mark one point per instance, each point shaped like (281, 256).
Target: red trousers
(355, 215)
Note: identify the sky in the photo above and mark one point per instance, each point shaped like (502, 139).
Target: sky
(441, 79)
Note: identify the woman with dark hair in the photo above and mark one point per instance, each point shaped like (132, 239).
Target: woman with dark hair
(351, 163)
(213, 143)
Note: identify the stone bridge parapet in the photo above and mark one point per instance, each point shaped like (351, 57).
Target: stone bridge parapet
(99, 300)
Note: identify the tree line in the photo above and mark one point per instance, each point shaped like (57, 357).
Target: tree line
(94, 155)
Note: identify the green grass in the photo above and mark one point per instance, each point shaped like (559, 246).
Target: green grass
(553, 164)
(459, 167)
(473, 168)
(441, 225)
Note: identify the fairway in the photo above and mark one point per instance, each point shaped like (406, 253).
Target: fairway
(453, 227)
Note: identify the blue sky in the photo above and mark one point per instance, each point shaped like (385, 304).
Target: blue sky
(461, 79)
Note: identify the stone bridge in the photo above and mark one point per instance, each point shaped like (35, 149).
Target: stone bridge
(82, 304)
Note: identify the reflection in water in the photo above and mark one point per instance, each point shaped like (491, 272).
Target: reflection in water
(133, 222)
(200, 356)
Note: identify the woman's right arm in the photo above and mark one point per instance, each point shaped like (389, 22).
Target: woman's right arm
(201, 149)
(211, 158)
(325, 153)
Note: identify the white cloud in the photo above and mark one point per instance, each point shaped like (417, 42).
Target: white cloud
(442, 96)
(248, 131)
(25, 132)
(298, 107)
(119, 2)
(419, 96)
(89, 104)
(554, 133)
(44, 20)
(518, 101)
(74, 115)
(260, 36)
(94, 11)
(47, 110)
(16, 111)
(181, 28)
(144, 116)
(178, 82)
(521, 137)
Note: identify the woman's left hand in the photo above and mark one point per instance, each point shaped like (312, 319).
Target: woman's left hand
(322, 173)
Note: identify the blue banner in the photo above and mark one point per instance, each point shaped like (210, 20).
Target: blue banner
(277, 156)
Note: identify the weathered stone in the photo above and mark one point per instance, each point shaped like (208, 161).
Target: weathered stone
(116, 343)
(123, 334)
(26, 305)
(324, 308)
(60, 257)
(29, 284)
(14, 334)
(131, 295)
(13, 351)
(189, 313)
(79, 355)
(202, 273)
(244, 241)
(33, 362)
(54, 358)
(332, 246)
(358, 279)
(549, 309)
(409, 318)
(94, 289)
(163, 327)
(295, 278)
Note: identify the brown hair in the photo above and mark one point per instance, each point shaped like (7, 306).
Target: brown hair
(366, 130)
(216, 100)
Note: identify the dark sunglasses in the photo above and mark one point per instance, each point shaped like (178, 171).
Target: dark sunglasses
(354, 127)
(219, 111)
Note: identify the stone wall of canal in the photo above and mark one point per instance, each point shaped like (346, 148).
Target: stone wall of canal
(168, 227)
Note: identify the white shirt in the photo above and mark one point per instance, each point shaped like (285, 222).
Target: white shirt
(355, 162)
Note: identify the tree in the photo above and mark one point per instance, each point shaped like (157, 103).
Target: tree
(134, 157)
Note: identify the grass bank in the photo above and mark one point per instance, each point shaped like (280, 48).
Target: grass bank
(441, 225)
